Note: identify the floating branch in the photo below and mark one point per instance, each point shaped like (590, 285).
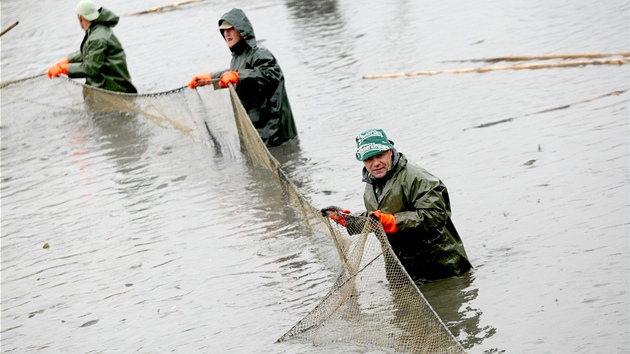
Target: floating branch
(160, 8)
(485, 125)
(506, 67)
(544, 57)
(9, 28)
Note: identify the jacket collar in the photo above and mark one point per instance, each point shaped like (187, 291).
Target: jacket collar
(239, 47)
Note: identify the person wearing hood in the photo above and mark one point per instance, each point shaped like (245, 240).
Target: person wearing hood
(412, 205)
(101, 59)
(257, 78)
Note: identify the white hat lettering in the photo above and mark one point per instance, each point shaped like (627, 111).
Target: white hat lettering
(371, 133)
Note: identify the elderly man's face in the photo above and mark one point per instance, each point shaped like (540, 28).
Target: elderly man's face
(232, 36)
(378, 165)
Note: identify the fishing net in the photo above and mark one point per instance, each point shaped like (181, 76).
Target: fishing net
(373, 301)
(203, 119)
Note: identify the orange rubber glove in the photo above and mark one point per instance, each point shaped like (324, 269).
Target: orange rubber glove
(194, 83)
(337, 214)
(60, 68)
(387, 220)
(227, 77)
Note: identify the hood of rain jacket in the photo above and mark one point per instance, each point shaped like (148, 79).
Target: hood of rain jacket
(426, 243)
(101, 59)
(261, 85)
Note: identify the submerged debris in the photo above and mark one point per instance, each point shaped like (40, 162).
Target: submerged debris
(89, 323)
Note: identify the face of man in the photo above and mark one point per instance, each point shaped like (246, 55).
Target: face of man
(85, 24)
(232, 36)
(378, 165)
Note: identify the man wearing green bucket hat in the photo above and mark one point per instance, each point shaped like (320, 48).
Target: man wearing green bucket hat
(412, 205)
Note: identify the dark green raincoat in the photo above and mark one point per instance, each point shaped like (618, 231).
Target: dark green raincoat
(101, 59)
(427, 244)
(260, 85)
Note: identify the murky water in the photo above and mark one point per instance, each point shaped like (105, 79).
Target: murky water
(157, 245)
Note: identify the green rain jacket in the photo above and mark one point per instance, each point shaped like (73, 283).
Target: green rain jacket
(260, 87)
(427, 244)
(101, 59)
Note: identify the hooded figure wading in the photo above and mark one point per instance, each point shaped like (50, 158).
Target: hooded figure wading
(258, 80)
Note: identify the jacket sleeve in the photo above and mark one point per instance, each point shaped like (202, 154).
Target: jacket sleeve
(94, 60)
(429, 200)
(263, 70)
(217, 74)
(75, 57)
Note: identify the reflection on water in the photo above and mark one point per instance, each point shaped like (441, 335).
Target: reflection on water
(292, 161)
(453, 300)
(122, 137)
(316, 13)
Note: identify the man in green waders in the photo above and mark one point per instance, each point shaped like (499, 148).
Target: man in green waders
(412, 205)
(101, 59)
(258, 80)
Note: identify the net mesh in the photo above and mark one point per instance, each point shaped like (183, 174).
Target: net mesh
(195, 113)
(373, 301)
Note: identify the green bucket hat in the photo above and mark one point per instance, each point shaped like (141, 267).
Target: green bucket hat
(372, 142)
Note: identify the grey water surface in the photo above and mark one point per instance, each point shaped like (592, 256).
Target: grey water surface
(157, 245)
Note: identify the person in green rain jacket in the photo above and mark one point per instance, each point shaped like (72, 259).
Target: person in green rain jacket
(412, 205)
(101, 59)
(258, 80)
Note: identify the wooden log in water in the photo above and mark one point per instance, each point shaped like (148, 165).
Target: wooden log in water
(564, 64)
(505, 120)
(9, 28)
(544, 57)
(160, 8)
